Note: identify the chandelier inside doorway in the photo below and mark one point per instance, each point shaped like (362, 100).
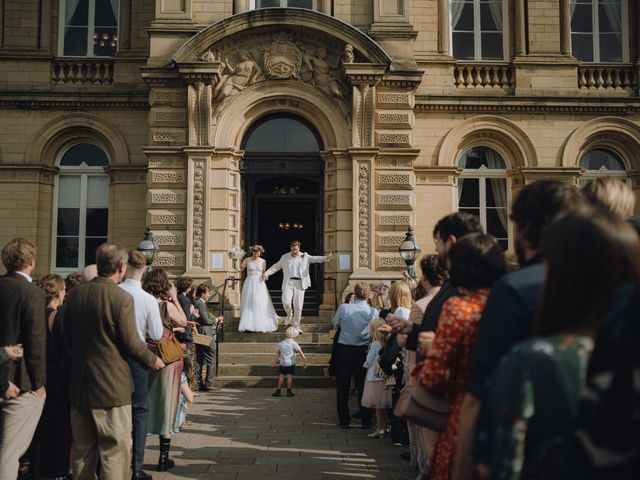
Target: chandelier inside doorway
(291, 226)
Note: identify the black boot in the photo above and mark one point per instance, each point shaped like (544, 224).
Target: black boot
(164, 462)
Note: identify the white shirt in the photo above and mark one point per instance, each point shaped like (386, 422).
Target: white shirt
(29, 279)
(148, 320)
(294, 266)
(288, 348)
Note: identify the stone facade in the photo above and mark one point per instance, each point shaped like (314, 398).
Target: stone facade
(394, 110)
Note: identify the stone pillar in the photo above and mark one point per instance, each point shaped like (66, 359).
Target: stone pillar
(362, 198)
(444, 28)
(392, 29)
(565, 27)
(44, 20)
(124, 37)
(521, 28)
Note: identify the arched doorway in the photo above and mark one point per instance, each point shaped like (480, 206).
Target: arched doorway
(282, 177)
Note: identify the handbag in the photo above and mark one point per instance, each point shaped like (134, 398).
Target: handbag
(416, 404)
(201, 339)
(168, 348)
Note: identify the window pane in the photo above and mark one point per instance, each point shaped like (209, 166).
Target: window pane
(496, 189)
(282, 134)
(105, 41)
(105, 14)
(472, 211)
(300, 3)
(582, 47)
(598, 158)
(267, 3)
(67, 252)
(464, 13)
(97, 222)
(75, 41)
(482, 157)
(90, 247)
(491, 16)
(610, 17)
(492, 46)
(495, 217)
(98, 191)
(69, 191)
(463, 48)
(611, 47)
(470, 193)
(79, 16)
(582, 20)
(68, 221)
(90, 154)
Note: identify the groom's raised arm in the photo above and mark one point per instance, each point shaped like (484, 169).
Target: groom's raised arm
(321, 258)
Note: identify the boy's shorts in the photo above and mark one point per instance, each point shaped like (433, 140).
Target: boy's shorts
(290, 370)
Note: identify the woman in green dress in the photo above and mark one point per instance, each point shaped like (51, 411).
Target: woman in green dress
(527, 422)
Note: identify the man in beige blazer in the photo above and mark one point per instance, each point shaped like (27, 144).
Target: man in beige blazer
(103, 335)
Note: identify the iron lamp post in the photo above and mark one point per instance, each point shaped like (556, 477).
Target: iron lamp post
(148, 247)
(409, 251)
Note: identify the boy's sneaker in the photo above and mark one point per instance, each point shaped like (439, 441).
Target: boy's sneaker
(290, 393)
(276, 394)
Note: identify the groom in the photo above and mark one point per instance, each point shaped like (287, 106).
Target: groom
(295, 279)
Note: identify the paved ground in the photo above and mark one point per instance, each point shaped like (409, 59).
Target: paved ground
(243, 434)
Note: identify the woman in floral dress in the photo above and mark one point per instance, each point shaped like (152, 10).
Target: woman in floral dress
(476, 263)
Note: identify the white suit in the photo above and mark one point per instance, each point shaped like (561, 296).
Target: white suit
(293, 288)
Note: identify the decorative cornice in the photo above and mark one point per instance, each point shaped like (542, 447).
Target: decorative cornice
(403, 79)
(599, 106)
(66, 101)
(11, 173)
(364, 73)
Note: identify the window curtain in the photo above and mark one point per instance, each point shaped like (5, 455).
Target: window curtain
(456, 12)
(496, 12)
(70, 8)
(614, 15)
(462, 164)
(572, 5)
(498, 185)
(114, 7)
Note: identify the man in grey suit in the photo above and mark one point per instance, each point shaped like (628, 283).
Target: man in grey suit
(21, 321)
(101, 326)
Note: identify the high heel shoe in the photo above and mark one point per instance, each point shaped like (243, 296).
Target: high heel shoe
(378, 434)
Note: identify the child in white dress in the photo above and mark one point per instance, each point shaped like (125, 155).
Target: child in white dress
(374, 394)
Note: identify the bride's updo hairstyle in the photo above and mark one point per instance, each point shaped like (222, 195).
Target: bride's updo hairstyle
(256, 248)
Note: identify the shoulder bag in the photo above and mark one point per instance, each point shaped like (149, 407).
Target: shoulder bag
(416, 404)
(168, 347)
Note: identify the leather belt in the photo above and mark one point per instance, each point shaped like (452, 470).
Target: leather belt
(295, 278)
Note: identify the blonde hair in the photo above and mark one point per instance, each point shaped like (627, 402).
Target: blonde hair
(377, 301)
(612, 194)
(291, 332)
(374, 333)
(18, 254)
(400, 295)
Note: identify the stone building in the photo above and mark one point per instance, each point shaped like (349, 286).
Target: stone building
(221, 123)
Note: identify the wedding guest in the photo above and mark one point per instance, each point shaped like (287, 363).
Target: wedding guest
(184, 286)
(476, 262)
(101, 326)
(164, 385)
(208, 326)
(528, 416)
(23, 382)
(374, 395)
(612, 194)
(149, 325)
(10, 353)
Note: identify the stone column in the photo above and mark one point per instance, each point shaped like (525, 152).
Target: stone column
(521, 28)
(363, 208)
(444, 28)
(44, 20)
(565, 27)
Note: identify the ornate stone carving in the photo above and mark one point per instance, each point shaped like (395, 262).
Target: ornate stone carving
(390, 262)
(393, 162)
(199, 113)
(169, 116)
(168, 137)
(394, 201)
(198, 213)
(246, 72)
(165, 162)
(362, 115)
(394, 100)
(167, 198)
(394, 139)
(395, 119)
(159, 97)
(209, 56)
(169, 239)
(167, 218)
(394, 180)
(348, 55)
(363, 216)
(393, 220)
(390, 240)
(283, 58)
(167, 177)
(168, 261)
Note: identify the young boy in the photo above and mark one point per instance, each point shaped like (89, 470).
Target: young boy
(286, 356)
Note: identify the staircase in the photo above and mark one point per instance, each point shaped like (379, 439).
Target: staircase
(244, 358)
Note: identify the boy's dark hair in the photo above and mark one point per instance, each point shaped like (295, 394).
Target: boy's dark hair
(458, 225)
(538, 204)
(183, 284)
(477, 261)
(202, 289)
(433, 270)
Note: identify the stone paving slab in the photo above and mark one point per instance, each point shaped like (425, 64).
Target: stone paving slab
(245, 434)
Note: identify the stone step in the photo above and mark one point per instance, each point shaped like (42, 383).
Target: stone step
(271, 381)
(267, 357)
(276, 337)
(306, 327)
(266, 370)
(226, 348)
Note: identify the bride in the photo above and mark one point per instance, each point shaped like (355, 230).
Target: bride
(256, 309)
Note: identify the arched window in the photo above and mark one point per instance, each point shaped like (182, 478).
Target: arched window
(282, 134)
(599, 31)
(309, 4)
(482, 191)
(602, 162)
(81, 210)
(89, 28)
(478, 29)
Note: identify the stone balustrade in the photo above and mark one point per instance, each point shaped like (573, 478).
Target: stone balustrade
(607, 77)
(82, 70)
(484, 76)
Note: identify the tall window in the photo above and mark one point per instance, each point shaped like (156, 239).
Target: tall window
(482, 191)
(598, 30)
(477, 29)
(89, 28)
(602, 162)
(309, 4)
(82, 207)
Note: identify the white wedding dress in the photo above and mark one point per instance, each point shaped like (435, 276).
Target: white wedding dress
(256, 309)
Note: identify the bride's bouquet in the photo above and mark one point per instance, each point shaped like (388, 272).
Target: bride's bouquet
(236, 253)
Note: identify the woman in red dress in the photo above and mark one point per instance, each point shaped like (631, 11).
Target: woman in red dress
(477, 261)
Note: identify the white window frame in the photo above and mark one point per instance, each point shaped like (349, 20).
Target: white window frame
(595, 26)
(477, 34)
(483, 174)
(283, 4)
(603, 171)
(84, 172)
(90, 29)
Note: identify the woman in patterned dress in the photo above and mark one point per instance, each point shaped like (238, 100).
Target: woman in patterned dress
(477, 261)
(527, 422)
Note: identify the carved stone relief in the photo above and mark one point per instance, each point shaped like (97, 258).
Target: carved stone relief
(168, 261)
(162, 136)
(364, 226)
(394, 180)
(199, 113)
(389, 139)
(394, 100)
(163, 97)
(168, 177)
(390, 262)
(389, 240)
(393, 220)
(164, 197)
(394, 201)
(169, 239)
(166, 218)
(198, 212)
